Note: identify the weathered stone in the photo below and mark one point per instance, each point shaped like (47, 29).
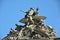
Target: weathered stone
(33, 31)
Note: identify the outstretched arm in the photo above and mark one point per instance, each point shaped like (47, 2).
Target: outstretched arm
(23, 11)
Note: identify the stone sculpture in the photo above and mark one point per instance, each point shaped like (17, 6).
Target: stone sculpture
(34, 28)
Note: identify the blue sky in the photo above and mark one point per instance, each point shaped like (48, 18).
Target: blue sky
(10, 13)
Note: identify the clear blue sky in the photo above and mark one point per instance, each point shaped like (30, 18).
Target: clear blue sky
(10, 13)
